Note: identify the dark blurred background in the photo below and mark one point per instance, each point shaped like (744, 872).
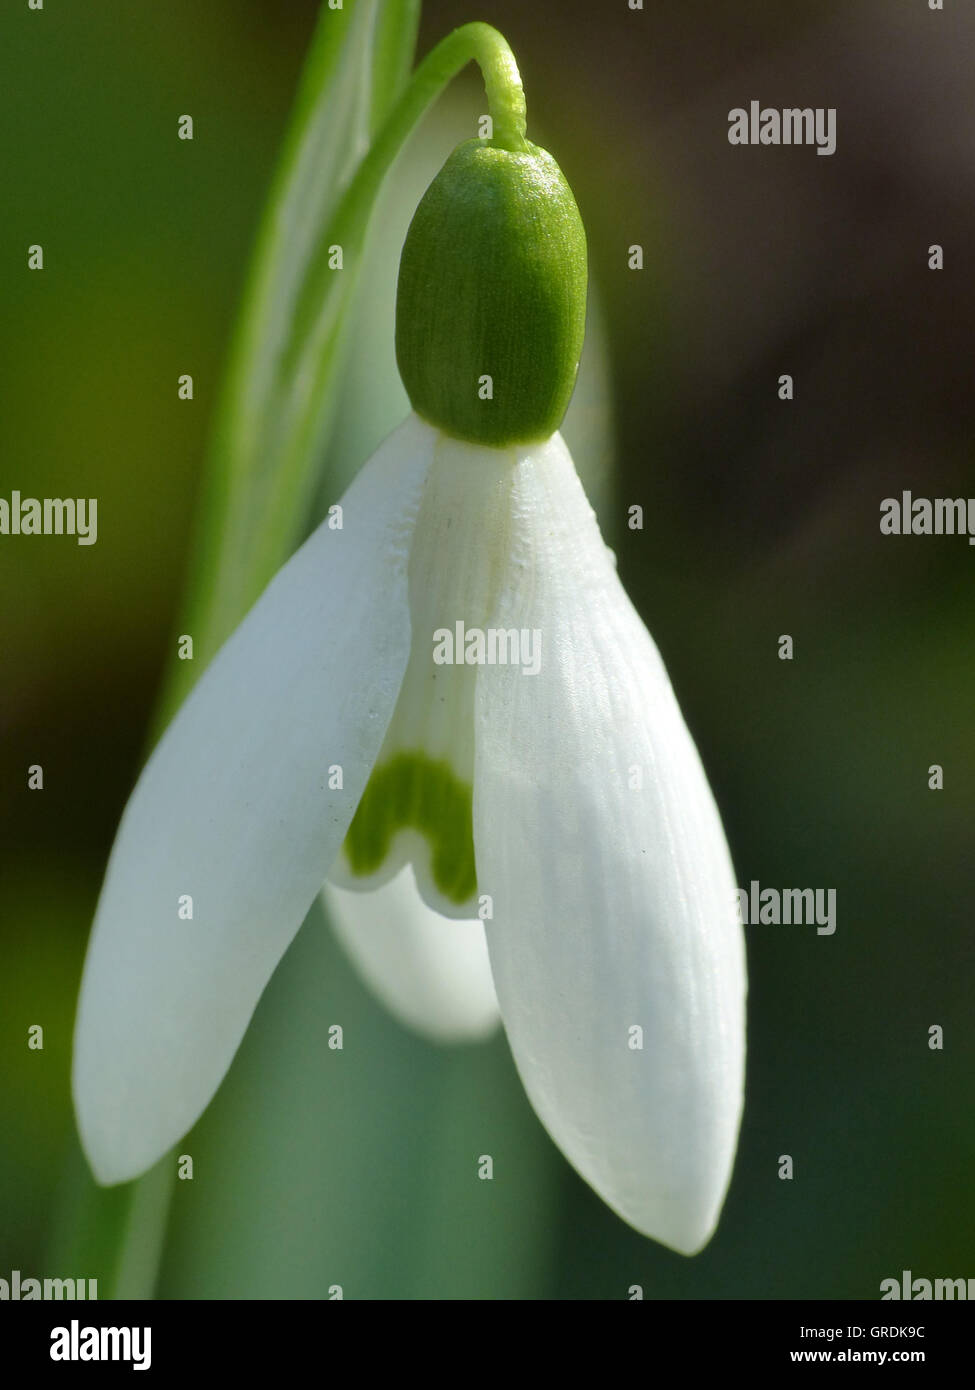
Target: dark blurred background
(761, 519)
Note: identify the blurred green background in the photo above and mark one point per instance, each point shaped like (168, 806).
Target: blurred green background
(358, 1168)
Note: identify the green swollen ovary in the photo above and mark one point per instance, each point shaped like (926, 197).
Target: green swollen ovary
(412, 791)
(492, 288)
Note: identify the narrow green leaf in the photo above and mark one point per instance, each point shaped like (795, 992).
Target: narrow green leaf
(261, 465)
(392, 56)
(251, 506)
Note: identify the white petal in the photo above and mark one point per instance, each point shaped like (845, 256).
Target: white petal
(234, 810)
(614, 908)
(431, 973)
(418, 808)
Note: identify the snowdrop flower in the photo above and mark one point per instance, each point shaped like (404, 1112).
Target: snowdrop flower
(446, 704)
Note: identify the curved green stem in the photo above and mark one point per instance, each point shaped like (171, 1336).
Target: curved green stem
(502, 80)
(315, 335)
(476, 42)
(479, 43)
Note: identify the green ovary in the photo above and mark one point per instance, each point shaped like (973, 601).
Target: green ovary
(413, 791)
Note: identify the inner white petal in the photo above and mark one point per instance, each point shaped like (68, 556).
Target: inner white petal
(432, 975)
(417, 809)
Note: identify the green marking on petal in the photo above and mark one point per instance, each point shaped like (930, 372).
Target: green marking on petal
(414, 791)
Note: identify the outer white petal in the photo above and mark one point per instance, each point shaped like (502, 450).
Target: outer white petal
(235, 811)
(614, 908)
(431, 973)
